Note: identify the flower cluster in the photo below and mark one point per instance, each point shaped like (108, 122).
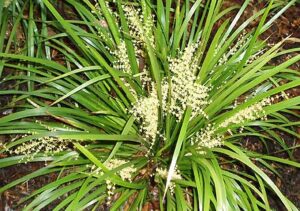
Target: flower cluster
(47, 145)
(145, 77)
(110, 187)
(101, 24)
(240, 43)
(122, 61)
(163, 173)
(150, 117)
(252, 112)
(125, 174)
(209, 138)
(122, 64)
(180, 92)
(184, 90)
(146, 110)
(206, 138)
(7, 3)
(255, 56)
(140, 28)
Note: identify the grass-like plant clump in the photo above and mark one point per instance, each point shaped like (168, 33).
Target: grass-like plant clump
(146, 102)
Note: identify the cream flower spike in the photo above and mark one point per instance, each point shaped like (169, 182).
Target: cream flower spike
(206, 138)
(163, 173)
(209, 138)
(252, 112)
(7, 3)
(139, 29)
(184, 89)
(145, 109)
(122, 63)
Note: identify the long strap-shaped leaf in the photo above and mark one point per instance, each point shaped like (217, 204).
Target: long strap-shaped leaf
(176, 153)
(88, 51)
(110, 21)
(239, 155)
(82, 86)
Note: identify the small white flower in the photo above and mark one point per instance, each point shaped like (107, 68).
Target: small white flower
(252, 112)
(47, 145)
(206, 138)
(163, 173)
(141, 30)
(146, 110)
(7, 3)
(240, 43)
(184, 91)
(122, 61)
(125, 173)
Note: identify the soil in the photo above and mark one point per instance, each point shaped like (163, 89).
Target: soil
(286, 25)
